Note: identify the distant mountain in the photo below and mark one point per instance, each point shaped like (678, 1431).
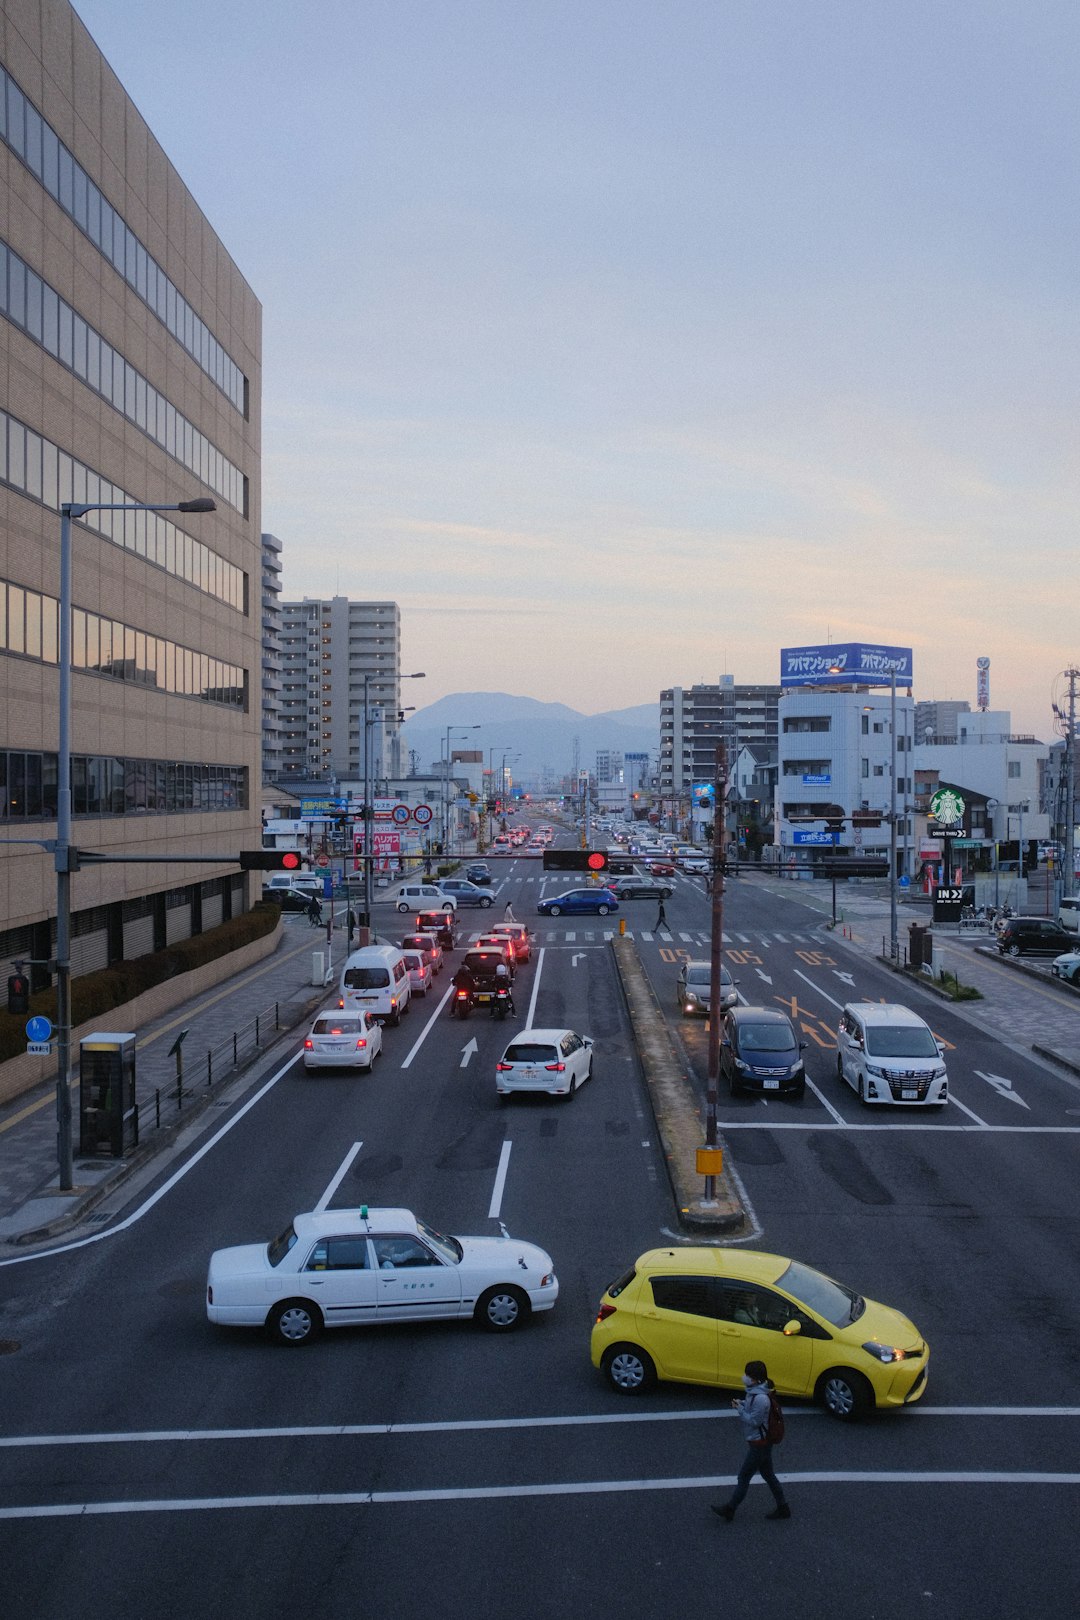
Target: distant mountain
(542, 734)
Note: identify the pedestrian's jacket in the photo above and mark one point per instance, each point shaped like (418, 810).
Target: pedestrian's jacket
(753, 1412)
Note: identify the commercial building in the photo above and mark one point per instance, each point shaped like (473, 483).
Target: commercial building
(694, 720)
(272, 667)
(331, 651)
(130, 372)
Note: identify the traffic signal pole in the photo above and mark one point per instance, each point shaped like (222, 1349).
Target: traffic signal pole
(712, 1091)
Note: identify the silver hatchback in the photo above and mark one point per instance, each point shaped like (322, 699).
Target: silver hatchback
(693, 987)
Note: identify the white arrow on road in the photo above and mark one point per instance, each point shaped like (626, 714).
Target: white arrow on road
(1003, 1087)
(763, 975)
(847, 977)
(467, 1052)
(578, 956)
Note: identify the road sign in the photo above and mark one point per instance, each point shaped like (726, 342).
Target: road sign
(315, 809)
(401, 814)
(39, 1048)
(38, 1028)
(422, 814)
(322, 860)
(947, 806)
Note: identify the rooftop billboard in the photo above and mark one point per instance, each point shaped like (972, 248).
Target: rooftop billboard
(848, 663)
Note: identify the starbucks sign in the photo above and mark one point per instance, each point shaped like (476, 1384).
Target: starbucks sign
(947, 807)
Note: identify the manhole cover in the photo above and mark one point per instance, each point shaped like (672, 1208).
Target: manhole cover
(8, 1347)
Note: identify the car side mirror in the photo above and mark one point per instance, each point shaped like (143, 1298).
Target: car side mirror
(802, 1046)
(725, 1041)
(791, 1328)
(941, 1049)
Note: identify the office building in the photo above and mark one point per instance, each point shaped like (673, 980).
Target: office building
(130, 372)
(272, 667)
(331, 651)
(695, 719)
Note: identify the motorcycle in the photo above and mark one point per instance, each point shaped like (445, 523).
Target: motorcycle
(461, 1004)
(501, 1004)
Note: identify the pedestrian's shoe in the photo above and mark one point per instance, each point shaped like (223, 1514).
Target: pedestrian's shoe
(725, 1511)
(781, 1512)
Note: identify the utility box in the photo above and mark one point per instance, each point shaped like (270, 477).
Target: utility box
(108, 1112)
(920, 946)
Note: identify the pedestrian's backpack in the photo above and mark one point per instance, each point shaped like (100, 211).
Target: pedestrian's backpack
(774, 1426)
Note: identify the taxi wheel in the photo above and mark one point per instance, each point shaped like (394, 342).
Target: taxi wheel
(294, 1322)
(844, 1394)
(629, 1370)
(501, 1310)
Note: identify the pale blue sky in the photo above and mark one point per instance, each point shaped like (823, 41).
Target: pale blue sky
(623, 343)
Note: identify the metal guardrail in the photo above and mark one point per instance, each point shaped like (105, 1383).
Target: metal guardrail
(220, 1063)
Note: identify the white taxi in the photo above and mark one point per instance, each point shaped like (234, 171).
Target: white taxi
(344, 1267)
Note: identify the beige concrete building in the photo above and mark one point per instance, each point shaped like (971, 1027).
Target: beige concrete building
(130, 355)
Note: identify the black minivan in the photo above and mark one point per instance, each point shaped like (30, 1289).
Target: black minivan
(1034, 936)
(759, 1052)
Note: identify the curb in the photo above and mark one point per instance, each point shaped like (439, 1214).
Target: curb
(1071, 1064)
(674, 1106)
(160, 1142)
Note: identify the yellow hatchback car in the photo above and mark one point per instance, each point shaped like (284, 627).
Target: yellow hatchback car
(698, 1315)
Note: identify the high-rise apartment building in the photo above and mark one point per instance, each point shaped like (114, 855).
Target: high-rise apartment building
(693, 720)
(130, 372)
(331, 650)
(272, 669)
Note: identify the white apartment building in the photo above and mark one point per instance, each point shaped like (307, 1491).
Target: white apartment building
(331, 652)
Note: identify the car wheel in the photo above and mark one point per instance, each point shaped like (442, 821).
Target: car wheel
(589, 1071)
(447, 906)
(554, 911)
(294, 1322)
(733, 1086)
(602, 911)
(1014, 950)
(484, 904)
(629, 1370)
(839, 1067)
(501, 1310)
(395, 1018)
(573, 1087)
(844, 1394)
(862, 1087)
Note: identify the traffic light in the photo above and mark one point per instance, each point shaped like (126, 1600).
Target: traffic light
(575, 860)
(18, 993)
(269, 860)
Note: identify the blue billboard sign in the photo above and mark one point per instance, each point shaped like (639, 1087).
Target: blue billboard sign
(817, 781)
(804, 837)
(849, 663)
(703, 794)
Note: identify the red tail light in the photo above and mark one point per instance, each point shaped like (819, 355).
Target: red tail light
(604, 1312)
(341, 1002)
(361, 1043)
(463, 995)
(309, 1045)
(555, 1068)
(503, 1068)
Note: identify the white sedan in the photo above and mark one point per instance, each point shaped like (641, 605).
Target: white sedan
(342, 1267)
(1067, 967)
(343, 1040)
(553, 1060)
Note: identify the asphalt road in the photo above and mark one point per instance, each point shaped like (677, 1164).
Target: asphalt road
(152, 1465)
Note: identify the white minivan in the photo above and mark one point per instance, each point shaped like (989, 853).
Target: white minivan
(375, 979)
(424, 897)
(1069, 913)
(888, 1054)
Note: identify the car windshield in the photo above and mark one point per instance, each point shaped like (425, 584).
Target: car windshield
(278, 1247)
(373, 978)
(698, 975)
(448, 1247)
(765, 1038)
(530, 1052)
(882, 1041)
(337, 1026)
(829, 1299)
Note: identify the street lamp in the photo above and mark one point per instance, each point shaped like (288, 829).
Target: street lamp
(992, 806)
(62, 854)
(461, 730)
(368, 807)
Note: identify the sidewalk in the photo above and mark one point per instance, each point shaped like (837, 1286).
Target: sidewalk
(241, 1018)
(1027, 1009)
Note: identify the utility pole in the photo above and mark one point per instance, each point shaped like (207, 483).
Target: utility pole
(1069, 880)
(712, 1092)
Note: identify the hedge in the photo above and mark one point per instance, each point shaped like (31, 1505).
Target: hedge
(96, 993)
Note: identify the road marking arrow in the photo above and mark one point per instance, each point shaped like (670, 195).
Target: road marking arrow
(467, 1052)
(578, 956)
(763, 975)
(1003, 1087)
(847, 977)
(808, 1029)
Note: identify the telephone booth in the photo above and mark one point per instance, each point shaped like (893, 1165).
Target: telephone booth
(108, 1112)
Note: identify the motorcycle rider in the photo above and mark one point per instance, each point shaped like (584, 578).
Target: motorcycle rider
(463, 980)
(504, 988)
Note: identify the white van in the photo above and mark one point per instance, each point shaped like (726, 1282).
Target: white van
(375, 979)
(888, 1054)
(310, 882)
(1069, 913)
(424, 897)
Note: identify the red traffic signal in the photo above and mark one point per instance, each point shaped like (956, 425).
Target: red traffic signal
(18, 993)
(597, 861)
(269, 860)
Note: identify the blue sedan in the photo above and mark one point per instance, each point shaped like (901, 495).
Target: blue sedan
(597, 901)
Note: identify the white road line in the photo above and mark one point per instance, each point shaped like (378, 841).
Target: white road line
(324, 1201)
(970, 1130)
(329, 1431)
(166, 1186)
(481, 1493)
(964, 1109)
(426, 1031)
(825, 1103)
(535, 988)
(839, 1005)
(495, 1207)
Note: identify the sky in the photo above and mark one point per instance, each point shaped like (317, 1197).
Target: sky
(624, 343)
